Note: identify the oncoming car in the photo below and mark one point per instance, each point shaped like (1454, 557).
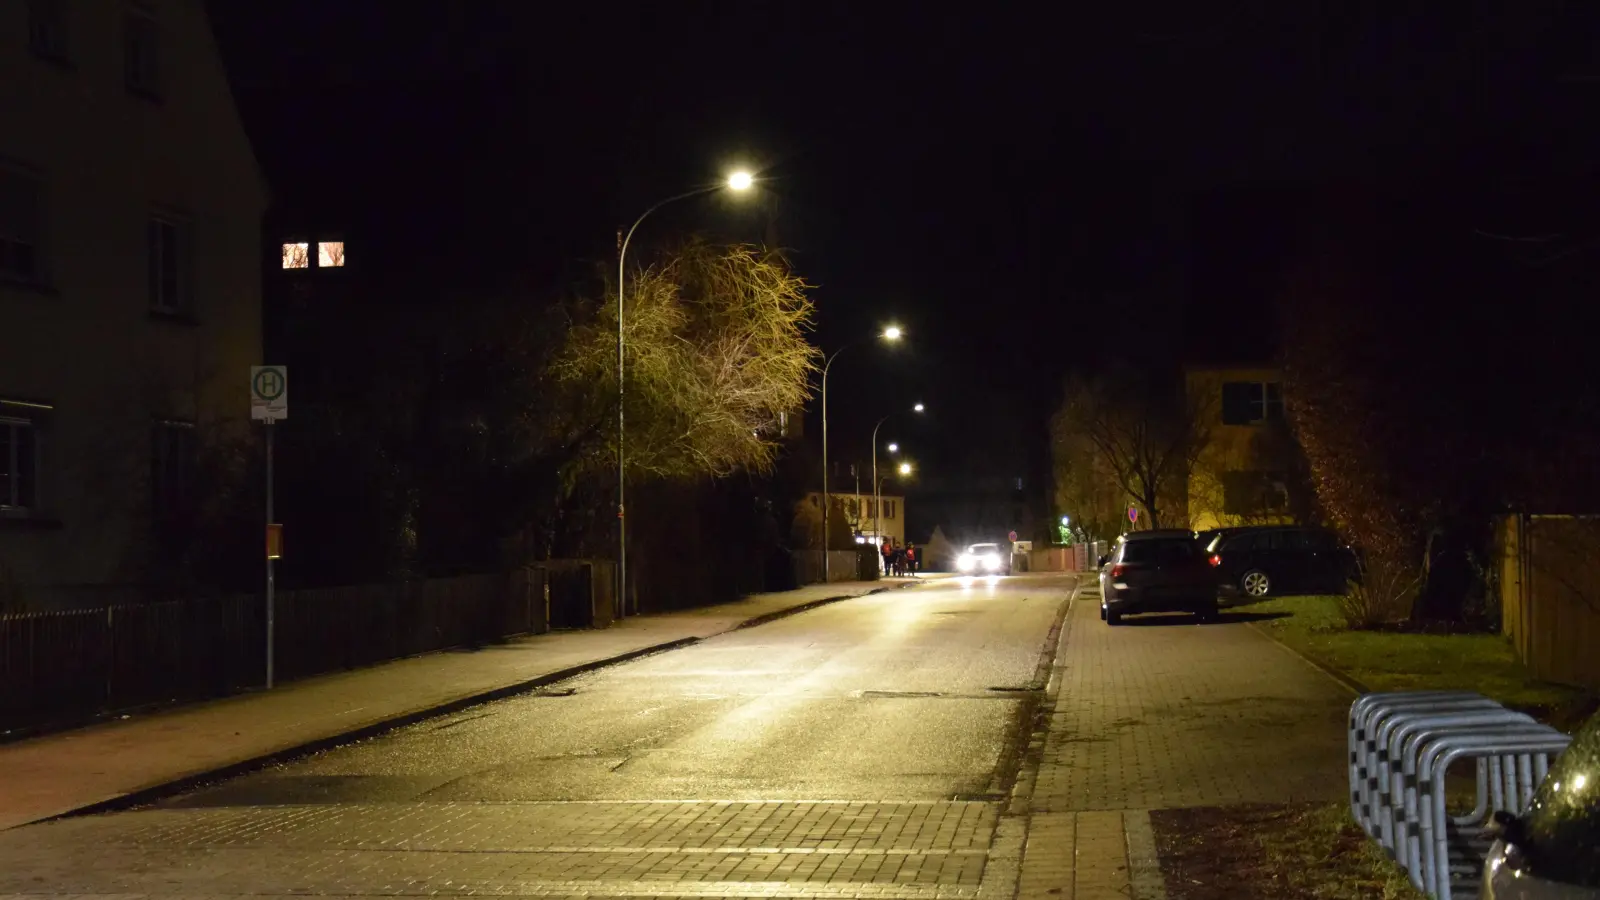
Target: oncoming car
(984, 559)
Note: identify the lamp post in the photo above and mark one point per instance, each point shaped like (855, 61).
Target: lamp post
(737, 181)
(877, 502)
(890, 334)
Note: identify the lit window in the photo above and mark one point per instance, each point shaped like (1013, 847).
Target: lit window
(330, 254)
(19, 451)
(167, 262)
(296, 256)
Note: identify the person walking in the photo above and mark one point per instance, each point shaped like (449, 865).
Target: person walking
(911, 560)
(888, 557)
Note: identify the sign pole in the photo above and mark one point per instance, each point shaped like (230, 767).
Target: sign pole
(271, 561)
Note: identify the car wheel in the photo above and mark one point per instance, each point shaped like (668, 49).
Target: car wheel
(1113, 618)
(1255, 583)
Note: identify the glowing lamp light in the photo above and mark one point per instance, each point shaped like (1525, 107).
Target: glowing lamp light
(741, 181)
(905, 468)
(894, 448)
(893, 333)
(917, 408)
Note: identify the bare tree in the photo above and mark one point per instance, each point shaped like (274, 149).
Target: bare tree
(716, 351)
(1145, 438)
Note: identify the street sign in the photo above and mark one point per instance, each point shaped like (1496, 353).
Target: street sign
(1012, 536)
(269, 393)
(1133, 515)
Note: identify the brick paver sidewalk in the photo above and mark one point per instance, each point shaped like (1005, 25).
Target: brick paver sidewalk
(1161, 713)
(56, 774)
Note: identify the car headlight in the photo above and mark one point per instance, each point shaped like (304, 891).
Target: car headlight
(991, 561)
(966, 562)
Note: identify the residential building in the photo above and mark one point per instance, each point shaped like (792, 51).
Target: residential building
(1247, 470)
(859, 516)
(130, 290)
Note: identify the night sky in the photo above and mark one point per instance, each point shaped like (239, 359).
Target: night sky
(1026, 189)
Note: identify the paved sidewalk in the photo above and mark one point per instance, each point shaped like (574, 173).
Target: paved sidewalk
(1161, 713)
(61, 773)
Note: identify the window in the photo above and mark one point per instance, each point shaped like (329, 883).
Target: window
(168, 261)
(297, 255)
(172, 468)
(888, 509)
(20, 227)
(1251, 402)
(1253, 493)
(330, 254)
(141, 54)
(47, 29)
(19, 465)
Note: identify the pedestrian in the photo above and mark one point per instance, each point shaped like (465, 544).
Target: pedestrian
(888, 557)
(899, 560)
(911, 560)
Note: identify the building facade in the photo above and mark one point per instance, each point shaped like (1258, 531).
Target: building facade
(856, 512)
(1247, 470)
(130, 289)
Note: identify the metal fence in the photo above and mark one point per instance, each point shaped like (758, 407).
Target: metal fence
(1402, 747)
(59, 667)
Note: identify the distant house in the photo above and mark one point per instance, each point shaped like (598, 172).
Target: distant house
(859, 515)
(130, 290)
(1246, 471)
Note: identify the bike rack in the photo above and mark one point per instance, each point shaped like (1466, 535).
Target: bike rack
(1401, 746)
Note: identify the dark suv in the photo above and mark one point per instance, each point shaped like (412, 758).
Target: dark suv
(1285, 559)
(1151, 571)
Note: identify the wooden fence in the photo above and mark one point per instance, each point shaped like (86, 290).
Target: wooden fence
(1549, 573)
(58, 667)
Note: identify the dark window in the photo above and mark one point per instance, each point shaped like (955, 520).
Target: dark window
(1136, 552)
(47, 29)
(19, 464)
(172, 469)
(20, 227)
(168, 266)
(141, 51)
(1251, 402)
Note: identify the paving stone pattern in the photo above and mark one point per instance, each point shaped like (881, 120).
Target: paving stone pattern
(1152, 716)
(890, 850)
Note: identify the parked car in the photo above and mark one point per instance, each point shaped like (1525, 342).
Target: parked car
(1552, 851)
(1155, 571)
(1280, 559)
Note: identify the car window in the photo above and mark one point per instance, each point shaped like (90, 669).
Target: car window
(1136, 552)
(1295, 540)
(1563, 822)
(1176, 551)
(1241, 542)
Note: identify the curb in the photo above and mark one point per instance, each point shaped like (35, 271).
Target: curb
(1340, 678)
(152, 793)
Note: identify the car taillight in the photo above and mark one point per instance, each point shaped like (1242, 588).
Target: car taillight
(1216, 560)
(1117, 570)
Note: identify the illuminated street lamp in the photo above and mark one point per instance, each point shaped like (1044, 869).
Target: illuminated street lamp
(905, 468)
(877, 502)
(737, 182)
(890, 334)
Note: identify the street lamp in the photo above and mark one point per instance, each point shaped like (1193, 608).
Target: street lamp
(890, 334)
(905, 468)
(737, 182)
(877, 501)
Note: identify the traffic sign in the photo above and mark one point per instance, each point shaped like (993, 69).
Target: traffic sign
(269, 392)
(1012, 536)
(1133, 515)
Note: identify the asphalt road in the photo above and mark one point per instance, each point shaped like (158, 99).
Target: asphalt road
(861, 749)
(908, 695)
